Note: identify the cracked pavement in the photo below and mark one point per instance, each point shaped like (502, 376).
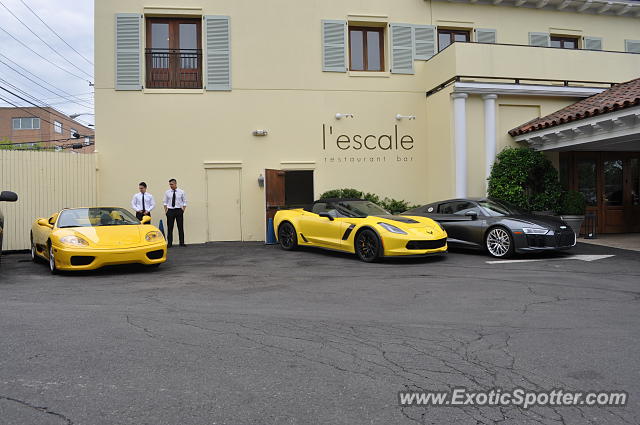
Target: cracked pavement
(242, 333)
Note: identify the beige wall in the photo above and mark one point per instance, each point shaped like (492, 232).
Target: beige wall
(278, 85)
(45, 182)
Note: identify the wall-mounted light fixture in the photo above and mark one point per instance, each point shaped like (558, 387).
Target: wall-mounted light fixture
(407, 117)
(260, 132)
(261, 180)
(339, 116)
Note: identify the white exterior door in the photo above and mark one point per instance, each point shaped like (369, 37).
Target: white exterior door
(223, 204)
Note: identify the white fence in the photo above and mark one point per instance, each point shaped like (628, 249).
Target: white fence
(45, 183)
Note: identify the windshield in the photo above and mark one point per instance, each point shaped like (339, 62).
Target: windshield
(357, 209)
(496, 208)
(96, 217)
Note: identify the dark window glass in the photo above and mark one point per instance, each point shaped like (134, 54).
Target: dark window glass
(587, 180)
(613, 182)
(448, 37)
(564, 42)
(366, 47)
(635, 181)
(357, 50)
(458, 208)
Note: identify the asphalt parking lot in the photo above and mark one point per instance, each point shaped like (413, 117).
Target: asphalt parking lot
(242, 333)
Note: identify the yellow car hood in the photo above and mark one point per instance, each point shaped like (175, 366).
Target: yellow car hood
(110, 236)
(422, 227)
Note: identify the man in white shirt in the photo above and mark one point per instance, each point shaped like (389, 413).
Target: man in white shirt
(175, 203)
(142, 202)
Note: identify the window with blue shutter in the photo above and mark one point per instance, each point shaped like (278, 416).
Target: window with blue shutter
(128, 52)
(484, 35)
(334, 46)
(592, 43)
(540, 39)
(401, 48)
(424, 41)
(218, 53)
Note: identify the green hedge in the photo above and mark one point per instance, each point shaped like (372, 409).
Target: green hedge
(527, 179)
(394, 206)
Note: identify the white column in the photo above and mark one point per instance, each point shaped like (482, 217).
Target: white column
(460, 142)
(490, 138)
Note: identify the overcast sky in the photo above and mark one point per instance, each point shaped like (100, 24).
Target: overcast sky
(73, 21)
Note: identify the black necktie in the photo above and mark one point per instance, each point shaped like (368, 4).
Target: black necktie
(173, 200)
(143, 208)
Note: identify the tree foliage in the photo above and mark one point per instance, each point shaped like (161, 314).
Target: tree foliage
(527, 179)
(394, 206)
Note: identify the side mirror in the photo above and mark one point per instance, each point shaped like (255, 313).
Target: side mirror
(326, 215)
(8, 196)
(44, 223)
(145, 220)
(472, 214)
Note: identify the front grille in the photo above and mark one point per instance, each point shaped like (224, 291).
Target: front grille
(155, 255)
(565, 239)
(438, 243)
(537, 241)
(81, 260)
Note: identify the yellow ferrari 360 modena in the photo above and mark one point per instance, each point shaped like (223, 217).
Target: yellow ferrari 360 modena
(361, 227)
(89, 238)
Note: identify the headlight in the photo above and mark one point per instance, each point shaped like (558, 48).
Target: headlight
(152, 236)
(74, 240)
(535, 230)
(391, 228)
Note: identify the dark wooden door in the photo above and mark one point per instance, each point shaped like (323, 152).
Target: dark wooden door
(274, 191)
(611, 175)
(610, 182)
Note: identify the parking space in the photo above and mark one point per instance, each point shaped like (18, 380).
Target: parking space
(243, 333)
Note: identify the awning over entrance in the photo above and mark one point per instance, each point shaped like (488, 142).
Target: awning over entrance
(599, 141)
(608, 121)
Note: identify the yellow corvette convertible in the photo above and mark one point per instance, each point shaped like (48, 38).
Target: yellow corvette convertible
(360, 227)
(89, 238)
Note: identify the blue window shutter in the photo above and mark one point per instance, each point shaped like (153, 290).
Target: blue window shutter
(592, 43)
(128, 51)
(484, 35)
(540, 39)
(218, 52)
(425, 41)
(401, 48)
(632, 46)
(334, 46)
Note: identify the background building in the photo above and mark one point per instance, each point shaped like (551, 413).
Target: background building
(409, 99)
(44, 127)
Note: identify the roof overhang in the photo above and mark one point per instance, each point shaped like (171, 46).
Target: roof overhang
(614, 131)
(525, 89)
(626, 8)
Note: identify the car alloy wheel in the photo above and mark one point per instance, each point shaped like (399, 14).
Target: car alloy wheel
(499, 242)
(287, 236)
(34, 256)
(52, 260)
(367, 246)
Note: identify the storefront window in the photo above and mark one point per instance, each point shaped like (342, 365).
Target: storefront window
(587, 180)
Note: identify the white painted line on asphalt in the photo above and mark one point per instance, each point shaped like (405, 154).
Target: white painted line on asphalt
(571, 257)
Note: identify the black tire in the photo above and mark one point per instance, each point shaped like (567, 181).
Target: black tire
(367, 246)
(287, 236)
(52, 262)
(34, 255)
(499, 242)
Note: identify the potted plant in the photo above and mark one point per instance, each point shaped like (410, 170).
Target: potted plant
(572, 208)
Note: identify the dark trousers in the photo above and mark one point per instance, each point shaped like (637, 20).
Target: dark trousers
(175, 215)
(139, 215)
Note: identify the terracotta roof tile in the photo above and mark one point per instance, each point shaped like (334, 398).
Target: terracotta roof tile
(621, 96)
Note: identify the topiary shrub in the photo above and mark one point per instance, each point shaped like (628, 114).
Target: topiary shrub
(394, 206)
(525, 178)
(573, 203)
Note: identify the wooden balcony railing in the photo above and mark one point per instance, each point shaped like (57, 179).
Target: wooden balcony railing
(174, 68)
